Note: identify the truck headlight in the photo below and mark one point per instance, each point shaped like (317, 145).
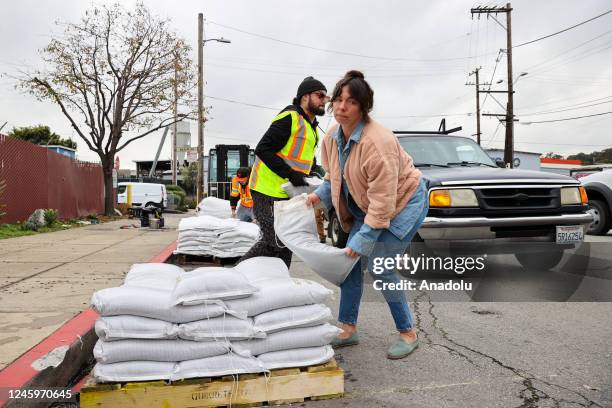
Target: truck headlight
(573, 195)
(460, 197)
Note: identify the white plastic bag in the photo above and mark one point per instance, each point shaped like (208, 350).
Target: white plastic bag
(220, 365)
(134, 371)
(202, 284)
(153, 303)
(220, 328)
(153, 275)
(288, 339)
(300, 357)
(292, 317)
(280, 293)
(262, 267)
(295, 226)
(214, 207)
(157, 350)
(134, 327)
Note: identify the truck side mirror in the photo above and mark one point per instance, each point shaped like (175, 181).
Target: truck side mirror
(500, 163)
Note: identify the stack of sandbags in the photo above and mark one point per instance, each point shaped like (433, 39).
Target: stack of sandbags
(165, 323)
(291, 313)
(223, 238)
(215, 207)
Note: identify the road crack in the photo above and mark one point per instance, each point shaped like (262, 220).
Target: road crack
(530, 394)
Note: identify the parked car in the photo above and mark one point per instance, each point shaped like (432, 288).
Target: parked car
(599, 190)
(143, 194)
(476, 206)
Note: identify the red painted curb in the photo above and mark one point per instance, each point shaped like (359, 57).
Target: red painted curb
(20, 371)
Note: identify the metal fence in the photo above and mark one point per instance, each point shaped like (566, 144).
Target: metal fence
(40, 178)
(220, 189)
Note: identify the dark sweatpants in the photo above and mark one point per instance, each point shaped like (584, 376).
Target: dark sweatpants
(263, 210)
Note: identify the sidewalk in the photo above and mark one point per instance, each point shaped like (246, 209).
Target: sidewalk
(47, 279)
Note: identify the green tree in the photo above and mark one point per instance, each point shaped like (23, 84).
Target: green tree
(41, 135)
(114, 75)
(601, 157)
(190, 175)
(553, 155)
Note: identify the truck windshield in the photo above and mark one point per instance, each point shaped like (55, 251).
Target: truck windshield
(121, 189)
(444, 151)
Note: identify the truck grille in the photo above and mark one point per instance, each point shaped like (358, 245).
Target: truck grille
(512, 198)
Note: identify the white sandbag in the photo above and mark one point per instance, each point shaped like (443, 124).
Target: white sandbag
(215, 207)
(293, 191)
(287, 339)
(295, 226)
(134, 327)
(153, 303)
(134, 371)
(300, 357)
(279, 293)
(157, 350)
(220, 365)
(220, 328)
(263, 267)
(153, 275)
(292, 317)
(204, 284)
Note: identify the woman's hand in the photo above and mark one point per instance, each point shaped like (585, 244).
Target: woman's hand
(349, 252)
(312, 199)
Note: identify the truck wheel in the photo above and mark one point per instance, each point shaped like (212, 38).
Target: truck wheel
(334, 231)
(601, 221)
(540, 260)
(150, 204)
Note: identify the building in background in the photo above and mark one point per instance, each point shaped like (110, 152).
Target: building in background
(522, 160)
(559, 166)
(63, 150)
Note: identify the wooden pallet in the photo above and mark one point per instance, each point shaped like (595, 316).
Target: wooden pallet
(283, 386)
(185, 259)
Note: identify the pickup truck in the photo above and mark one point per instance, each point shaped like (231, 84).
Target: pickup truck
(479, 206)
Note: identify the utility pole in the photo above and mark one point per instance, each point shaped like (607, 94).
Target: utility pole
(476, 70)
(509, 116)
(174, 126)
(200, 178)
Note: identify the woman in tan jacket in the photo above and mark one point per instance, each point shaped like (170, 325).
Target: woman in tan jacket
(380, 199)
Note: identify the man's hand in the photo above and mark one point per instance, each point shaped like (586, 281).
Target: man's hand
(312, 199)
(350, 253)
(297, 179)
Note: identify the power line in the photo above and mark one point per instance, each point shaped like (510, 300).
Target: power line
(568, 108)
(565, 119)
(351, 54)
(564, 30)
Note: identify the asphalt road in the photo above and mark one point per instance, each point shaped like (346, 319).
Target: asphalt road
(542, 345)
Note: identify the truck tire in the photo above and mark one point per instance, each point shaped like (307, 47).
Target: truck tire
(150, 204)
(540, 260)
(334, 231)
(601, 223)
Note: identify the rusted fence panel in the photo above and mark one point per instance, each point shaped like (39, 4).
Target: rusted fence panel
(39, 178)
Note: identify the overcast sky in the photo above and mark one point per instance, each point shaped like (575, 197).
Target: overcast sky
(435, 44)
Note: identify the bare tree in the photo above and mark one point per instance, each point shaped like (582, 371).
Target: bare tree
(112, 75)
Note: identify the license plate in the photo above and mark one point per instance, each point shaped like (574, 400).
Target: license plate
(569, 234)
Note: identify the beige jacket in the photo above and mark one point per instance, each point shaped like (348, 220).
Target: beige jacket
(380, 176)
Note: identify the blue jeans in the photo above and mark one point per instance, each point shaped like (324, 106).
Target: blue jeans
(388, 245)
(244, 213)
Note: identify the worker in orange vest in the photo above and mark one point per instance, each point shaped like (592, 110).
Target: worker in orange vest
(241, 192)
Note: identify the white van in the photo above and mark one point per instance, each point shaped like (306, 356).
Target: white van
(143, 194)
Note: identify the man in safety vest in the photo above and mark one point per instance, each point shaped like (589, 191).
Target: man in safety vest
(241, 192)
(284, 153)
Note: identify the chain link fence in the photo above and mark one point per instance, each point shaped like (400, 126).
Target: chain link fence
(36, 177)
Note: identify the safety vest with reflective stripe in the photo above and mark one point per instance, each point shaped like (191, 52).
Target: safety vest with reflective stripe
(298, 153)
(244, 192)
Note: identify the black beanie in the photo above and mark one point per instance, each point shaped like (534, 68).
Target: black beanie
(308, 85)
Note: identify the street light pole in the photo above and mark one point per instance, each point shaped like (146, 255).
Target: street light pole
(200, 178)
(201, 119)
